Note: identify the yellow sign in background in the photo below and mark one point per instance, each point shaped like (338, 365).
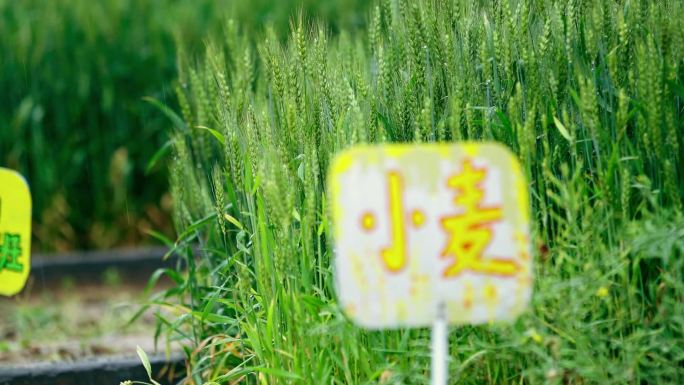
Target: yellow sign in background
(15, 232)
(423, 227)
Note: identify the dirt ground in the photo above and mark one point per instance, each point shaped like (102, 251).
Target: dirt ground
(72, 322)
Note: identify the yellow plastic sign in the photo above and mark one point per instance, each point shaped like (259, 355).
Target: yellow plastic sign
(15, 232)
(422, 229)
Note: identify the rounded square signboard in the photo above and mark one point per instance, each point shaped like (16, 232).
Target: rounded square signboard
(417, 227)
(15, 232)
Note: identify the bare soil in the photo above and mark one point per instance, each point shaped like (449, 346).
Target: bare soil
(72, 321)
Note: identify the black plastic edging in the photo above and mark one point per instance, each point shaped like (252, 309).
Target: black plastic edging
(89, 266)
(93, 372)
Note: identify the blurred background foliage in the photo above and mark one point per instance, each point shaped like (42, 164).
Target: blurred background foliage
(72, 117)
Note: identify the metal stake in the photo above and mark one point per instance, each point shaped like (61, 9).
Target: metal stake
(440, 347)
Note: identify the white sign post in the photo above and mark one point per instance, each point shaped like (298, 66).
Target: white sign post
(439, 340)
(430, 235)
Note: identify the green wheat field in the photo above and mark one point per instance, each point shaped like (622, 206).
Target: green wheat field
(588, 94)
(219, 119)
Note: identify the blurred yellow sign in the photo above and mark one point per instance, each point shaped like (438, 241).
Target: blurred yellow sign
(419, 227)
(15, 232)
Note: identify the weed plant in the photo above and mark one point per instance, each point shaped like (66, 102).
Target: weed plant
(588, 94)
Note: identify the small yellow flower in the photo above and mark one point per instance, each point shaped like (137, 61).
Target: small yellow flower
(602, 292)
(534, 335)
